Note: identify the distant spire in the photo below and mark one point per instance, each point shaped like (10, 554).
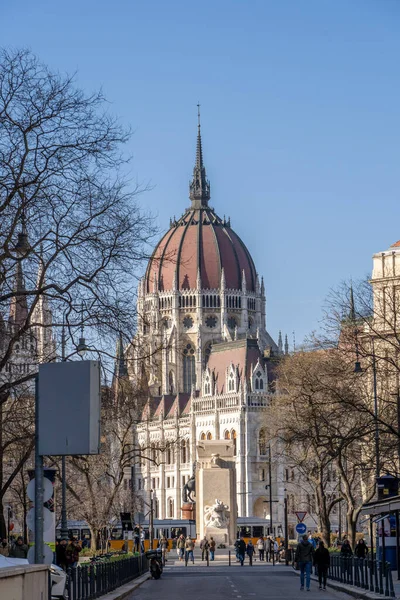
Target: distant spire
(199, 186)
(286, 345)
(280, 344)
(120, 367)
(19, 306)
(22, 245)
(352, 312)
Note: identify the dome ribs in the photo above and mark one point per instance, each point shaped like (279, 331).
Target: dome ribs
(178, 258)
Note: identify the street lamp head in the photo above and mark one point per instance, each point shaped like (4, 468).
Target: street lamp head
(82, 347)
(358, 367)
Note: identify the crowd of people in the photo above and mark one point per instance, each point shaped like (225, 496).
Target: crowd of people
(15, 549)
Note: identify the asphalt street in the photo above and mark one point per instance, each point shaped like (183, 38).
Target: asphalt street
(219, 581)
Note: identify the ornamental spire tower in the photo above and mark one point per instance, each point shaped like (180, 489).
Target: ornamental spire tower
(199, 186)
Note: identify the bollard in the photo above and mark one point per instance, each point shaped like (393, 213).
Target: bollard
(229, 555)
(208, 558)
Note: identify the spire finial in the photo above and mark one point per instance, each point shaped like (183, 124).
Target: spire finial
(199, 188)
(352, 312)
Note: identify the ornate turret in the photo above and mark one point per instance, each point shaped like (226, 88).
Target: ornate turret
(199, 186)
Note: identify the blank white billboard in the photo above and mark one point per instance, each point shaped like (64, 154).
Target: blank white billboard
(69, 408)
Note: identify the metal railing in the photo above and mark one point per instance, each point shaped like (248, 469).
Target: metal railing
(92, 580)
(365, 573)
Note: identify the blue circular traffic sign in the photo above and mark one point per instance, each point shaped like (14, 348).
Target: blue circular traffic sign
(301, 528)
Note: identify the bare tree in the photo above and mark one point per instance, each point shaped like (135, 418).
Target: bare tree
(317, 434)
(73, 236)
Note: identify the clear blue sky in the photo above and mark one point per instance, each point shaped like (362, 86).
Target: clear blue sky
(300, 112)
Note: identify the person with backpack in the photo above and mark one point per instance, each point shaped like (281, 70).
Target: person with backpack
(241, 550)
(212, 548)
(261, 548)
(322, 561)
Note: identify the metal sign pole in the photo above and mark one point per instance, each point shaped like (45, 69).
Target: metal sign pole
(38, 484)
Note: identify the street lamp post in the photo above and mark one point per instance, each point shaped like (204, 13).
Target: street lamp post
(285, 506)
(81, 349)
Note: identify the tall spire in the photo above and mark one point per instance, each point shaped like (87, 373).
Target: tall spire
(352, 312)
(199, 186)
(19, 306)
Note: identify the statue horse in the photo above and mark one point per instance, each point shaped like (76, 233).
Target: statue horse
(188, 489)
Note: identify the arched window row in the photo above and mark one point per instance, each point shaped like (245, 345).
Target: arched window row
(165, 303)
(211, 301)
(231, 435)
(234, 301)
(251, 303)
(206, 436)
(187, 301)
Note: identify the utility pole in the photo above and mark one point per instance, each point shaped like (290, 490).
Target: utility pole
(270, 500)
(64, 520)
(286, 530)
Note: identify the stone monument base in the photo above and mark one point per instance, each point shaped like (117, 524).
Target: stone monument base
(220, 535)
(189, 510)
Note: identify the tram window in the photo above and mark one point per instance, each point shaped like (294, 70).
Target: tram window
(116, 534)
(245, 531)
(85, 534)
(258, 531)
(177, 531)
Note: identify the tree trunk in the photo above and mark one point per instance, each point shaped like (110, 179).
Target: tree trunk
(94, 535)
(325, 522)
(352, 527)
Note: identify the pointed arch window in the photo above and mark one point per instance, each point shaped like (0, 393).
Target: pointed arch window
(259, 381)
(170, 508)
(231, 382)
(209, 436)
(189, 368)
(202, 435)
(233, 437)
(227, 435)
(207, 386)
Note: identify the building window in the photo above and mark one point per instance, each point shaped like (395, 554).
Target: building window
(170, 508)
(211, 322)
(209, 436)
(171, 385)
(168, 482)
(207, 386)
(231, 382)
(189, 369)
(184, 453)
(188, 322)
(227, 435)
(207, 353)
(233, 437)
(262, 442)
(261, 475)
(232, 323)
(139, 484)
(202, 435)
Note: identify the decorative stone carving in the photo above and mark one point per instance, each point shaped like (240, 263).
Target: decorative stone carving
(216, 515)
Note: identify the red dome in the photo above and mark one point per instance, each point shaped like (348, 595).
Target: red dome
(200, 242)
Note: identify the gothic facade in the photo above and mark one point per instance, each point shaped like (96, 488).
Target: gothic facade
(208, 358)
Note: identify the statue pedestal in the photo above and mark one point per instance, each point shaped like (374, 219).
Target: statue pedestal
(188, 510)
(220, 535)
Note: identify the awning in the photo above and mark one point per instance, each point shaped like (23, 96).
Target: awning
(381, 506)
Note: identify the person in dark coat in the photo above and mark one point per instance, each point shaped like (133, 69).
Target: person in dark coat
(322, 561)
(19, 549)
(60, 554)
(250, 552)
(361, 549)
(241, 548)
(304, 559)
(346, 550)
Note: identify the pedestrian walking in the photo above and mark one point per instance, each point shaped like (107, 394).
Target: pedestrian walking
(136, 540)
(322, 561)
(241, 550)
(276, 550)
(261, 548)
(204, 547)
(19, 549)
(361, 549)
(250, 552)
(180, 547)
(189, 546)
(164, 548)
(212, 548)
(269, 548)
(304, 559)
